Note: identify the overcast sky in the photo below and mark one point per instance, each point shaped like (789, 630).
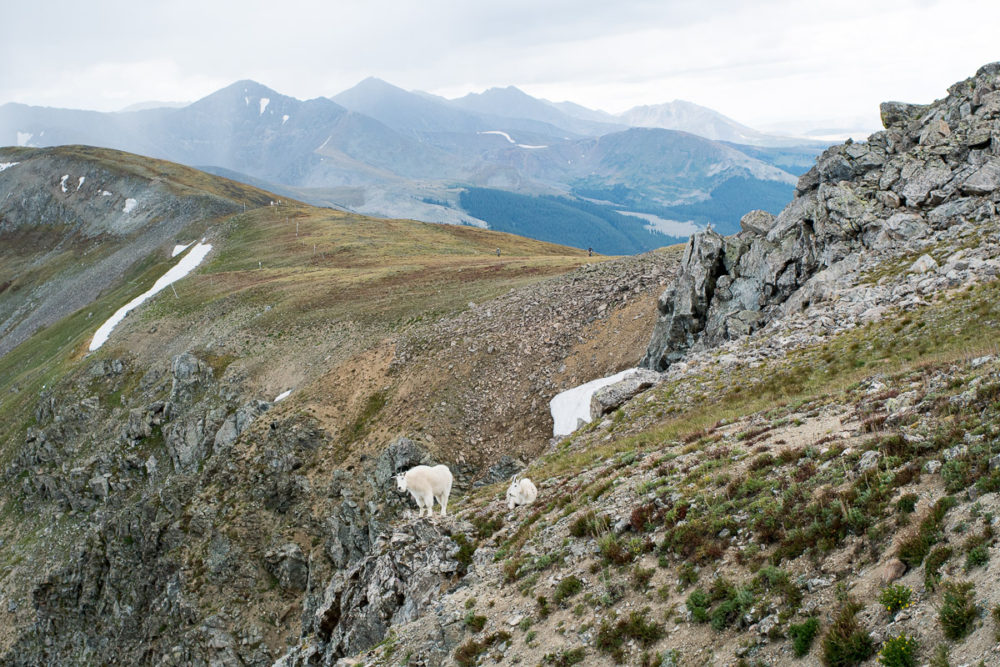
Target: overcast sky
(767, 63)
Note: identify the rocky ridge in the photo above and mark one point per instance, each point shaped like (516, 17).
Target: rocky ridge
(90, 203)
(688, 503)
(866, 312)
(241, 510)
(933, 167)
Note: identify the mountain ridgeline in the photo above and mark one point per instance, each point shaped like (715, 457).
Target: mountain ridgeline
(806, 470)
(380, 150)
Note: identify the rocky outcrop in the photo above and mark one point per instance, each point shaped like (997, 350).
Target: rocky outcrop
(932, 167)
(405, 573)
(611, 397)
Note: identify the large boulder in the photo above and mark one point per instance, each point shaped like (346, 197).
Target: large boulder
(612, 396)
(401, 455)
(898, 115)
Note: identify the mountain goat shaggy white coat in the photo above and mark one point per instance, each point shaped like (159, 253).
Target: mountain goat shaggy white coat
(425, 484)
(520, 492)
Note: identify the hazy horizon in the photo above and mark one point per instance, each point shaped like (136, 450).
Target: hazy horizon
(773, 65)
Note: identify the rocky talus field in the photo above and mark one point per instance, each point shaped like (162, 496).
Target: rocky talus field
(811, 479)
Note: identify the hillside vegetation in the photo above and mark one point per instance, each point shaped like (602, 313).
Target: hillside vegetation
(812, 477)
(815, 478)
(114, 460)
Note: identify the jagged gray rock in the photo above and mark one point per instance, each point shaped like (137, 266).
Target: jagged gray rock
(939, 162)
(237, 423)
(684, 305)
(395, 584)
(289, 566)
(501, 471)
(401, 454)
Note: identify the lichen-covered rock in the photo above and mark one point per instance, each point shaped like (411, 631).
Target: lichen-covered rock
(401, 455)
(757, 221)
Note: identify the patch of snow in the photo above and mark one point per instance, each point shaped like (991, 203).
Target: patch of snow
(509, 139)
(62, 183)
(665, 226)
(178, 249)
(7, 165)
(716, 168)
(502, 134)
(284, 119)
(80, 183)
(264, 101)
(23, 138)
(105, 193)
(572, 405)
(283, 395)
(187, 264)
(130, 205)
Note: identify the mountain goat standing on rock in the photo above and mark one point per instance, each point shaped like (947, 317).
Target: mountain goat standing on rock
(520, 492)
(425, 484)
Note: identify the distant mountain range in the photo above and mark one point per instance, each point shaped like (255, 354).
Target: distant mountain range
(381, 150)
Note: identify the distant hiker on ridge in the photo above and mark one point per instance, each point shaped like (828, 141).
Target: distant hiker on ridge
(498, 252)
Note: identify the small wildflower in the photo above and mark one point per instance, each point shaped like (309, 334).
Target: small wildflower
(898, 651)
(896, 598)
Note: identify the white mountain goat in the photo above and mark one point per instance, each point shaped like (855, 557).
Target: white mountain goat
(520, 492)
(425, 484)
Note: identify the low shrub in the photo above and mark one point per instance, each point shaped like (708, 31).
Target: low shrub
(907, 503)
(802, 635)
(543, 606)
(612, 637)
(686, 575)
(474, 622)
(485, 527)
(958, 610)
(567, 588)
(899, 651)
(732, 608)
(697, 603)
(641, 578)
(932, 568)
(565, 657)
(614, 550)
(588, 524)
(895, 598)
(468, 653)
(915, 548)
(642, 517)
(846, 643)
(977, 557)
(940, 657)
(466, 549)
